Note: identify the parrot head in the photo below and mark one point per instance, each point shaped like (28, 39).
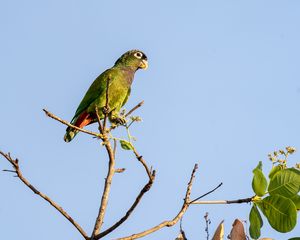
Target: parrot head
(133, 58)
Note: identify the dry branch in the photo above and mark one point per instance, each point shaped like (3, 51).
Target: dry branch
(96, 234)
(243, 200)
(134, 108)
(146, 188)
(205, 194)
(111, 167)
(51, 115)
(106, 190)
(15, 164)
(175, 219)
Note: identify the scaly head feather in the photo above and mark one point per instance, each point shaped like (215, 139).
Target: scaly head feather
(135, 59)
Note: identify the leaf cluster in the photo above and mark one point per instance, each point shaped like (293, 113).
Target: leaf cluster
(277, 197)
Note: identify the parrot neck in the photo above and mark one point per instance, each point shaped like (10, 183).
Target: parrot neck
(124, 67)
(128, 73)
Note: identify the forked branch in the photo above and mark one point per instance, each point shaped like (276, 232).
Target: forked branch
(146, 188)
(172, 222)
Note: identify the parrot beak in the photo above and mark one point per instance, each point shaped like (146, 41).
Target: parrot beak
(144, 64)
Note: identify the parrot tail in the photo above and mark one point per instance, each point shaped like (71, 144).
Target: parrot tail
(82, 120)
(70, 134)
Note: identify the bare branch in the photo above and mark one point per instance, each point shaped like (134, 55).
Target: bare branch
(207, 193)
(120, 170)
(15, 164)
(207, 222)
(243, 200)
(181, 231)
(106, 191)
(12, 171)
(135, 108)
(143, 162)
(111, 168)
(145, 189)
(115, 147)
(175, 219)
(51, 115)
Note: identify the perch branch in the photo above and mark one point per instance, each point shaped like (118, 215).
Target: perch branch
(130, 112)
(110, 173)
(51, 115)
(175, 219)
(15, 164)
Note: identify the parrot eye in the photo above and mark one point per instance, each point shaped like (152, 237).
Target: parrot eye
(138, 55)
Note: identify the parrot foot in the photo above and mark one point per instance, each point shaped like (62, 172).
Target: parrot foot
(119, 120)
(105, 110)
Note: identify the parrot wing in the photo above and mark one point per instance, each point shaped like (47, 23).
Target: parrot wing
(97, 88)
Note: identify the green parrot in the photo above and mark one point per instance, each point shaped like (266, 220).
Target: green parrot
(120, 78)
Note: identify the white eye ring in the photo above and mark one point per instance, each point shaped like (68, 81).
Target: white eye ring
(138, 55)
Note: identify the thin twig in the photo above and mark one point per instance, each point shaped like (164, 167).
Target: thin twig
(243, 200)
(207, 223)
(15, 164)
(175, 219)
(181, 230)
(143, 162)
(135, 108)
(207, 193)
(115, 147)
(51, 115)
(12, 171)
(120, 170)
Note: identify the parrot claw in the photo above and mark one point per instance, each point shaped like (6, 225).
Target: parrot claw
(105, 110)
(119, 120)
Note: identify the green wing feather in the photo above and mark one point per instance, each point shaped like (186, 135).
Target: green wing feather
(126, 98)
(97, 88)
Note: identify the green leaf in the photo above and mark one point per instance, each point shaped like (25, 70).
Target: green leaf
(259, 181)
(295, 238)
(256, 222)
(275, 170)
(285, 182)
(126, 145)
(296, 200)
(280, 211)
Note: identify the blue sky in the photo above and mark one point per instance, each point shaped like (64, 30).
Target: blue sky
(222, 90)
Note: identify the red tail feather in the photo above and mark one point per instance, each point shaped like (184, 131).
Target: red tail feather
(83, 120)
